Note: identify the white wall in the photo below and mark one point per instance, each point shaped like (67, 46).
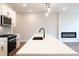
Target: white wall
(69, 22)
(29, 24)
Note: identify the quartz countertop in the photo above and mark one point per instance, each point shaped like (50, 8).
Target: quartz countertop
(48, 46)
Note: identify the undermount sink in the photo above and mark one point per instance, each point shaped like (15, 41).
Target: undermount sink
(37, 38)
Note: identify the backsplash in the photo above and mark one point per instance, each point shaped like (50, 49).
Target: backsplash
(5, 30)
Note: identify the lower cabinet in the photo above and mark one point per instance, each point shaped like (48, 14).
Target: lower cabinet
(3, 46)
(18, 41)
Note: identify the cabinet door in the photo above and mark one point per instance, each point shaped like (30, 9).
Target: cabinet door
(13, 16)
(18, 41)
(3, 46)
(4, 10)
(0, 8)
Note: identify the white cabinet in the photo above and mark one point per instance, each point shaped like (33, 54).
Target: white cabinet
(0, 9)
(6, 10)
(13, 16)
(3, 46)
(18, 41)
(9, 12)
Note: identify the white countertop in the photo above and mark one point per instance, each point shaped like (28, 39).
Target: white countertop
(48, 46)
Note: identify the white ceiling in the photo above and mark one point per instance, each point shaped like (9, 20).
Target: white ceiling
(40, 7)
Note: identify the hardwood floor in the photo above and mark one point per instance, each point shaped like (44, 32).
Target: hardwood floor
(13, 53)
(73, 45)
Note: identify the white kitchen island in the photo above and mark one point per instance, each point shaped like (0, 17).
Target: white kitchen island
(48, 46)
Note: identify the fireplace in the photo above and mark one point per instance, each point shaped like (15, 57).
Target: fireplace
(68, 34)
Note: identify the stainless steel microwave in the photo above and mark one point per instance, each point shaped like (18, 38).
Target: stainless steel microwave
(5, 21)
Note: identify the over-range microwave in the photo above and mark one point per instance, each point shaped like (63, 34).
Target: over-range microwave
(5, 21)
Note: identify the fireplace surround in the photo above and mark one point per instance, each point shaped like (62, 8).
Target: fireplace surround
(68, 35)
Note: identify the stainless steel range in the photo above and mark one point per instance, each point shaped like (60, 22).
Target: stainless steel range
(11, 42)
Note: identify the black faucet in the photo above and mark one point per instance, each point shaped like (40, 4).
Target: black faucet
(43, 32)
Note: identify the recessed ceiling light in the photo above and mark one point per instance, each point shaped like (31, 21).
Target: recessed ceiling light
(30, 10)
(24, 5)
(64, 8)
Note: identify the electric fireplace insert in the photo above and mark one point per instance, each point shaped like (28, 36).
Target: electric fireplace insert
(68, 34)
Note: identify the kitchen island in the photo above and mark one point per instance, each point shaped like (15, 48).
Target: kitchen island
(48, 46)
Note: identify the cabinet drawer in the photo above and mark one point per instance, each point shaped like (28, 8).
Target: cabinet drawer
(3, 46)
(3, 39)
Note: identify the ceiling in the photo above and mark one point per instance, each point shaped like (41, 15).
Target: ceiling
(41, 7)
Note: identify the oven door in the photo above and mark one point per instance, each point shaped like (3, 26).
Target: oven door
(11, 45)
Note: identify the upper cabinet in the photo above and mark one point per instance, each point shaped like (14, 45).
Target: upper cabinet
(9, 12)
(0, 8)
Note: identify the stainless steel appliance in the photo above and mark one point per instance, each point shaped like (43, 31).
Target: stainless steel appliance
(5, 21)
(11, 42)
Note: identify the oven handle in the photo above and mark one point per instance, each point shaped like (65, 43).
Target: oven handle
(12, 39)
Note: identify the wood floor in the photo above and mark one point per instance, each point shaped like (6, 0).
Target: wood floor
(13, 53)
(73, 45)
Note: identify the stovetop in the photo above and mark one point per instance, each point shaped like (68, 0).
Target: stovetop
(8, 35)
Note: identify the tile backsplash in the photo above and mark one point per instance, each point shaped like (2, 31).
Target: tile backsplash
(5, 29)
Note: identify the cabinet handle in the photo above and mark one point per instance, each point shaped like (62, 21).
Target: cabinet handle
(2, 48)
(4, 41)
